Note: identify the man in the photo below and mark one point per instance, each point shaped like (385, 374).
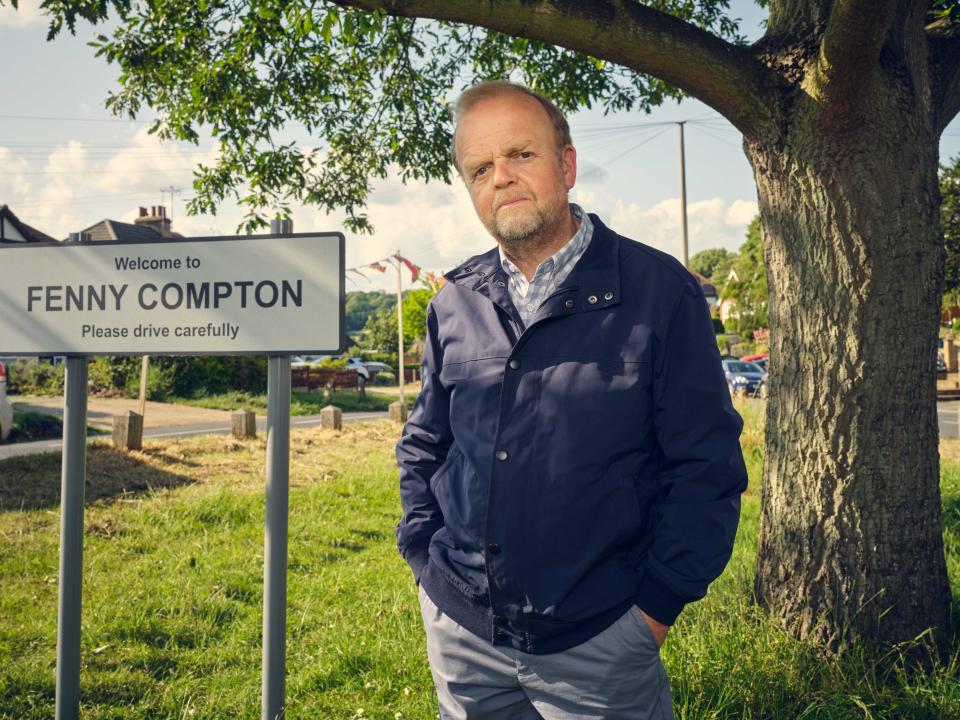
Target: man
(571, 473)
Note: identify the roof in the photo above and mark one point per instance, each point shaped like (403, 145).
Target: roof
(30, 234)
(708, 287)
(106, 230)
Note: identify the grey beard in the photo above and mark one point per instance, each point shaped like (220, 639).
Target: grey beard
(514, 234)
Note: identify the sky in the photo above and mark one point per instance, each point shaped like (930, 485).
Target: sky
(66, 163)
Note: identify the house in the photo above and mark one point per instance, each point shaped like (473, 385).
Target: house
(14, 230)
(709, 289)
(152, 225)
(727, 310)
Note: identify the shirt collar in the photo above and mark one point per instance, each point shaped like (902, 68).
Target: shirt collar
(571, 248)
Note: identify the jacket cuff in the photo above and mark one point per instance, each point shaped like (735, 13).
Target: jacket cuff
(417, 560)
(658, 601)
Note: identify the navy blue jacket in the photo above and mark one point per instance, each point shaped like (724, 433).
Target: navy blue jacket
(552, 476)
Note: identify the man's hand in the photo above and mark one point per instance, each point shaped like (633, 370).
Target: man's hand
(659, 629)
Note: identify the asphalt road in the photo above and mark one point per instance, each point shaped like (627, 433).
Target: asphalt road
(948, 417)
(179, 431)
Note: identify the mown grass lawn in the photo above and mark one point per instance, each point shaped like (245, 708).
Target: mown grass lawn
(173, 584)
(302, 403)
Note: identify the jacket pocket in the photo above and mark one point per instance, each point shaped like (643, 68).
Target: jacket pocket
(438, 477)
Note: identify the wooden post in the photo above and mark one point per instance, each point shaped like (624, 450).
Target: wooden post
(950, 354)
(128, 431)
(144, 368)
(243, 424)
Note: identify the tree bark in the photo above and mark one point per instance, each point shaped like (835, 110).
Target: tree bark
(850, 544)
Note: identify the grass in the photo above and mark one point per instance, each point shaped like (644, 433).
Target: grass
(173, 576)
(30, 426)
(301, 403)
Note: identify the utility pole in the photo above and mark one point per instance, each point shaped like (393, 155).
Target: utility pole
(400, 322)
(683, 200)
(173, 191)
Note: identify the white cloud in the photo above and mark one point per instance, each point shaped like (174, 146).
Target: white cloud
(29, 13)
(710, 223)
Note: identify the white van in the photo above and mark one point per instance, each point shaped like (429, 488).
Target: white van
(6, 409)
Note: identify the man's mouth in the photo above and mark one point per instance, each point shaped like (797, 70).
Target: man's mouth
(511, 201)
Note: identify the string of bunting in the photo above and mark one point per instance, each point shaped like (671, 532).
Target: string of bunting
(396, 260)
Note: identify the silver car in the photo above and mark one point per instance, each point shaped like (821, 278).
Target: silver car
(6, 409)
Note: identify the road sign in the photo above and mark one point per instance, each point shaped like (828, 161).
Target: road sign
(267, 294)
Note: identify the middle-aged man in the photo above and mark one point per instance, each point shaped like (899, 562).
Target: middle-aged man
(571, 473)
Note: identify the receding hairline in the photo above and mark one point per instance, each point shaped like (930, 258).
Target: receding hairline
(502, 88)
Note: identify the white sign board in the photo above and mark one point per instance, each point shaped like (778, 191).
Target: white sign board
(276, 295)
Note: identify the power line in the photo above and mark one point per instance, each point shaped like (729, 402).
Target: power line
(62, 118)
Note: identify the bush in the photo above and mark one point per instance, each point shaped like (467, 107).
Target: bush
(199, 376)
(35, 377)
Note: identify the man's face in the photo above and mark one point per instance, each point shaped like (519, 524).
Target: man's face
(515, 174)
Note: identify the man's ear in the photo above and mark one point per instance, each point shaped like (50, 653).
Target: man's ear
(568, 164)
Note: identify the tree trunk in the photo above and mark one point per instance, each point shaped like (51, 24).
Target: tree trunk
(851, 543)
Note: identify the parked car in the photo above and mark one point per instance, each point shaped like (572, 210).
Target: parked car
(375, 367)
(353, 363)
(941, 363)
(6, 409)
(743, 377)
(760, 360)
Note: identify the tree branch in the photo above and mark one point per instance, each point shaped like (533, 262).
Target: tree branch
(850, 50)
(726, 77)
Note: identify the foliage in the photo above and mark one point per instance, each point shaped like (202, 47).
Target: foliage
(112, 375)
(750, 288)
(415, 314)
(950, 223)
(173, 614)
(380, 332)
(706, 262)
(374, 89)
(34, 377)
(188, 376)
(360, 306)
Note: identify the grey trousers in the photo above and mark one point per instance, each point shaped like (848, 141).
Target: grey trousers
(616, 675)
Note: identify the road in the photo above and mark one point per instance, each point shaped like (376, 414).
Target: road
(948, 417)
(180, 431)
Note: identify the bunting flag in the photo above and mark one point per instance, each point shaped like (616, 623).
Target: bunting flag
(394, 261)
(414, 269)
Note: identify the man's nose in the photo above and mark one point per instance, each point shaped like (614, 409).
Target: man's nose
(503, 174)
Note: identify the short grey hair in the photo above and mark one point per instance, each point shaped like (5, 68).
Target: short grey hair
(495, 88)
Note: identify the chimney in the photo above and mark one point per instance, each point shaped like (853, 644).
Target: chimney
(156, 220)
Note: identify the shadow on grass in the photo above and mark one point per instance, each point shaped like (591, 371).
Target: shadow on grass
(33, 482)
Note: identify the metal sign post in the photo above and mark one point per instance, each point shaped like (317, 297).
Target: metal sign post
(275, 538)
(73, 479)
(273, 694)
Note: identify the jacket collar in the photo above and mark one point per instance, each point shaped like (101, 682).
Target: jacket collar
(592, 284)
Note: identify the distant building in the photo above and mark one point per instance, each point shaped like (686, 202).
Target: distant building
(14, 230)
(152, 225)
(709, 290)
(728, 305)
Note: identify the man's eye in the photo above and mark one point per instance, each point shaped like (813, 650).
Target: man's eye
(526, 154)
(480, 172)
